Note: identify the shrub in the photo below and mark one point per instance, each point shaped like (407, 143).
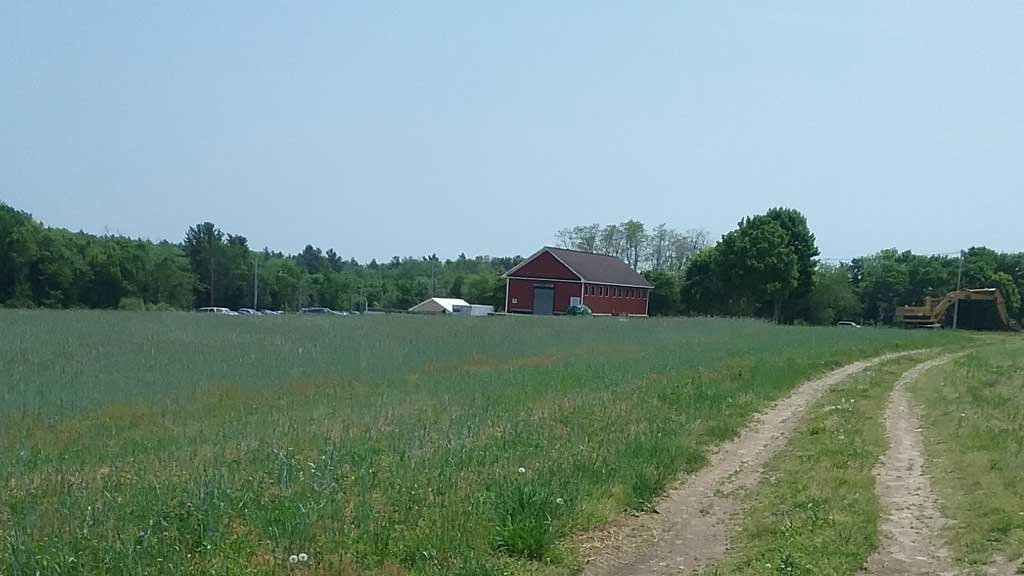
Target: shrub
(19, 302)
(131, 303)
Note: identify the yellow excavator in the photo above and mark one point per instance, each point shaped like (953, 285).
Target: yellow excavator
(933, 314)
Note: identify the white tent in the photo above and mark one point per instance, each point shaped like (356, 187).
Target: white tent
(438, 306)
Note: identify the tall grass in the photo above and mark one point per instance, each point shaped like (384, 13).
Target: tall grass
(176, 444)
(974, 422)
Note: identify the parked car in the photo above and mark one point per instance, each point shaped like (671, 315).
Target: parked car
(271, 312)
(249, 312)
(321, 310)
(848, 324)
(217, 310)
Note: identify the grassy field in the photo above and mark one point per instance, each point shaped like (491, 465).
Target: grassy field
(817, 513)
(974, 427)
(183, 444)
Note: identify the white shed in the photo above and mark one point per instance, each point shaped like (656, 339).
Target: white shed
(472, 310)
(438, 306)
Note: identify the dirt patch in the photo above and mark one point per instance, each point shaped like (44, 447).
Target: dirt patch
(476, 364)
(690, 528)
(912, 522)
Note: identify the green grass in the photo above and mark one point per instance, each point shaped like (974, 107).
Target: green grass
(817, 513)
(169, 443)
(974, 428)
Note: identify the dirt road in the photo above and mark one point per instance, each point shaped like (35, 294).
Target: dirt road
(911, 519)
(690, 529)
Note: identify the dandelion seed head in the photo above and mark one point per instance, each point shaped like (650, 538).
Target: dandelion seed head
(293, 559)
(522, 470)
(303, 557)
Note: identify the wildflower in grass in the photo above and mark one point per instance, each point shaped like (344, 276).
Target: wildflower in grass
(559, 501)
(303, 557)
(293, 559)
(522, 470)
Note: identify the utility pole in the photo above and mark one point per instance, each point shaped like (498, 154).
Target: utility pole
(433, 283)
(256, 283)
(956, 305)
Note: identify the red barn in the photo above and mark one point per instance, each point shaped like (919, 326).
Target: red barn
(554, 278)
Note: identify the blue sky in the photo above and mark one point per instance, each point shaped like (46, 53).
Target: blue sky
(384, 128)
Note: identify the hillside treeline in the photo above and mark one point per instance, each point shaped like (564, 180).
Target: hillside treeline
(54, 268)
(769, 267)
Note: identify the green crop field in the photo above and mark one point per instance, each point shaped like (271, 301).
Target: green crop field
(171, 443)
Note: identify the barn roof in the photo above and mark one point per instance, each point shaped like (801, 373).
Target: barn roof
(592, 267)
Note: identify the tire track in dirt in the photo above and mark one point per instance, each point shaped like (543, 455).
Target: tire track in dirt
(912, 522)
(691, 527)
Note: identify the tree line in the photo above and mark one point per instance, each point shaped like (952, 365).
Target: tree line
(662, 249)
(768, 267)
(54, 268)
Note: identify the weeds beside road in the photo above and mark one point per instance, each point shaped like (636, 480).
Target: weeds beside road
(974, 437)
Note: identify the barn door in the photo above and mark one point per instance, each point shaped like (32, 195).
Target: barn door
(543, 300)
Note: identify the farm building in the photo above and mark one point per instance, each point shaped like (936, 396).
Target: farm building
(552, 279)
(472, 310)
(438, 306)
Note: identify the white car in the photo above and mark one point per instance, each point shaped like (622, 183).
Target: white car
(217, 310)
(847, 324)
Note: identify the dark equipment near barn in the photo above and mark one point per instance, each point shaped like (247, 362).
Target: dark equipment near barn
(979, 309)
